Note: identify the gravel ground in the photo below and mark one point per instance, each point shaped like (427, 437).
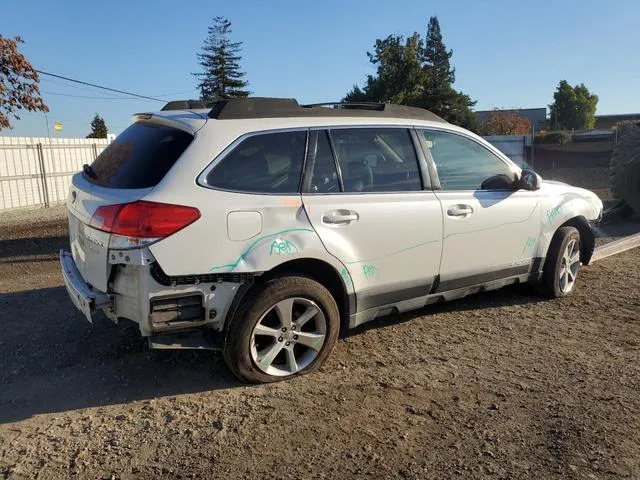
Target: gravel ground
(500, 385)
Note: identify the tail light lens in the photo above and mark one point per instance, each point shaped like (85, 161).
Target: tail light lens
(143, 219)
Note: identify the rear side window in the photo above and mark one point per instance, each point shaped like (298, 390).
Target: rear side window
(377, 159)
(140, 156)
(263, 163)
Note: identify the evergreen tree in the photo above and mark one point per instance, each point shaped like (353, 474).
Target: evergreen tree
(418, 73)
(436, 57)
(221, 75)
(439, 95)
(98, 128)
(399, 76)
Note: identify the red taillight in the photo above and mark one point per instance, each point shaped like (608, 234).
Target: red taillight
(144, 219)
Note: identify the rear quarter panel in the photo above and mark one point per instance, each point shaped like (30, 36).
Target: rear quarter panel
(212, 243)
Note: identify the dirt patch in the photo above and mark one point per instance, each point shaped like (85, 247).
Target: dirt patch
(504, 384)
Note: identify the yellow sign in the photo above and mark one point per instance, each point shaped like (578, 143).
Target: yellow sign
(57, 126)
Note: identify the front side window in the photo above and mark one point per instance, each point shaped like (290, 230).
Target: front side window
(376, 159)
(463, 164)
(263, 163)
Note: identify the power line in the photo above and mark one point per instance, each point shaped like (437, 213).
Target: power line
(177, 93)
(99, 86)
(66, 84)
(85, 96)
(71, 85)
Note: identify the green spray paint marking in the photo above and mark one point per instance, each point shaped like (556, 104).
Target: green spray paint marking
(370, 260)
(280, 248)
(369, 270)
(346, 276)
(493, 227)
(253, 245)
(530, 243)
(553, 213)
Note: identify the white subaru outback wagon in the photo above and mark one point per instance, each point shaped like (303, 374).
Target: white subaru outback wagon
(265, 228)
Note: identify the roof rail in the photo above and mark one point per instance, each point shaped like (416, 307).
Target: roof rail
(349, 105)
(270, 107)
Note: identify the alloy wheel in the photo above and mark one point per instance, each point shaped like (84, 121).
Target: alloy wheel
(569, 265)
(288, 336)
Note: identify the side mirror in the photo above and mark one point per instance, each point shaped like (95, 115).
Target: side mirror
(529, 180)
(501, 182)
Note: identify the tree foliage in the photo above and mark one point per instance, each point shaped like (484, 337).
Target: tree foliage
(505, 122)
(98, 128)
(415, 72)
(220, 61)
(18, 83)
(573, 107)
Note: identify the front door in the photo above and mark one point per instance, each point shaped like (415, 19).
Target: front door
(491, 231)
(371, 212)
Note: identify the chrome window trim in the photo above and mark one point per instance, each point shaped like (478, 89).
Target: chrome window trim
(493, 150)
(407, 128)
(201, 179)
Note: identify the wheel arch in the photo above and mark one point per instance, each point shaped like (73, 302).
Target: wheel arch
(587, 237)
(318, 270)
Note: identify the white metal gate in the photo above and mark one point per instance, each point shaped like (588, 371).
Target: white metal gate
(36, 171)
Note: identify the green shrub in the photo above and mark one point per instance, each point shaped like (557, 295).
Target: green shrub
(557, 137)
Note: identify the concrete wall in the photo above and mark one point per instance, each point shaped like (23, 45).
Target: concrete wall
(37, 171)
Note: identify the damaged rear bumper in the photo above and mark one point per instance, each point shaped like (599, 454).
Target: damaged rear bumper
(85, 298)
(140, 292)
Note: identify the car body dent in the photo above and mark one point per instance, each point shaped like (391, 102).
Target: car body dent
(561, 204)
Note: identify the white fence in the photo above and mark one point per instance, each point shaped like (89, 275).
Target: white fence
(36, 171)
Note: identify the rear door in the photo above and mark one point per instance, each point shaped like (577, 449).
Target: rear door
(368, 205)
(491, 231)
(124, 172)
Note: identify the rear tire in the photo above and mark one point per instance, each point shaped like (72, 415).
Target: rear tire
(562, 264)
(284, 328)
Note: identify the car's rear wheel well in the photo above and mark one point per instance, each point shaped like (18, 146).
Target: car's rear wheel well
(317, 270)
(587, 238)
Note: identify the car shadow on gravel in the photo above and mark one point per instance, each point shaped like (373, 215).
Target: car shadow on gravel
(20, 249)
(53, 360)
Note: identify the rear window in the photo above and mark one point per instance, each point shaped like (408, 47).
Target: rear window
(262, 163)
(139, 157)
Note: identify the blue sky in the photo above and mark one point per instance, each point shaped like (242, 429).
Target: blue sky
(507, 53)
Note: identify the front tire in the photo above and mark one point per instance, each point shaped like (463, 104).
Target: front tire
(284, 328)
(562, 264)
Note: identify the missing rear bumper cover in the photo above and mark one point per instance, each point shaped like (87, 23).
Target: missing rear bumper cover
(178, 309)
(163, 279)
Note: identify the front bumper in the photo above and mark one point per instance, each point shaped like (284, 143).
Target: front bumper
(86, 299)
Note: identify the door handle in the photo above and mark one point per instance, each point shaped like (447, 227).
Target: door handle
(340, 217)
(460, 211)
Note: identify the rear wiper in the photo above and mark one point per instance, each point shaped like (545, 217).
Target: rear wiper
(89, 171)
